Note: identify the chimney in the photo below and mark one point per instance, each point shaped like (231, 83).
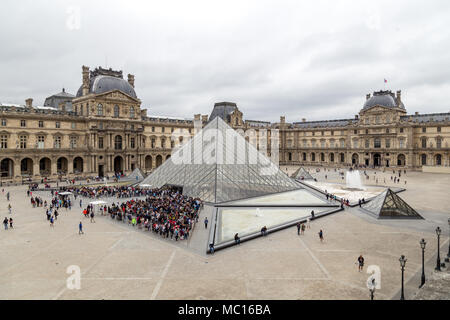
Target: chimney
(416, 113)
(205, 118)
(131, 80)
(282, 119)
(399, 96)
(303, 119)
(85, 79)
(143, 112)
(197, 116)
(368, 96)
(29, 103)
(356, 117)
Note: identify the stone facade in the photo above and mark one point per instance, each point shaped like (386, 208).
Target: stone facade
(103, 130)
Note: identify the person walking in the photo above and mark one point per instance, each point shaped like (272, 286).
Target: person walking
(9, 208)
(206, 222)
(80, 228)
(298, 228)
(321, 235)
(7, 196)
(308, 224)
(11, 223)
(81, 203)
(360, 263)
(303, 228)
(264, 231)
(5, 223)
(92, 217)
(51, 221)
(237, 240)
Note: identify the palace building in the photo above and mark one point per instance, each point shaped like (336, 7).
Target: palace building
(103, 130)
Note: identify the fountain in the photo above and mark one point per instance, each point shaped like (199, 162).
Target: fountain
(353, 180)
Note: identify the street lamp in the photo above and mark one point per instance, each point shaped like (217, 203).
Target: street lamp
(422, 245)
(448, 254)
(438, 261)
(402, 265)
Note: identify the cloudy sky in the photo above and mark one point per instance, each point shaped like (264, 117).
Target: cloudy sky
(302, 59)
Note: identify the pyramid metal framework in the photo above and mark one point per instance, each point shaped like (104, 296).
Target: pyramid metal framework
(218, 164)
(389, 205)
(301, 173)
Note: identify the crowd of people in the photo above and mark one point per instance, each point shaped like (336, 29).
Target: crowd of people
(164, 211)
(107, 191)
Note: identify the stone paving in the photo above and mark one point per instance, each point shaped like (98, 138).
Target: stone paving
(118, 261)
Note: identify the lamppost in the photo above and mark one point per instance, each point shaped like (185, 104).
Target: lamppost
(422, 245)
(448, 254)
(438, 261)
(402, 265)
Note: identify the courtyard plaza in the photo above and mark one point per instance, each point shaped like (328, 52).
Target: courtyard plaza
(118, 261)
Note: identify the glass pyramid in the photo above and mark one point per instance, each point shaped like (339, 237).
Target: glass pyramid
(389, 205)
(219, 165)
(302, 174)
(137, 175)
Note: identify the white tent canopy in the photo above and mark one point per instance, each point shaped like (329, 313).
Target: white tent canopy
(97, 202)
(65, 193)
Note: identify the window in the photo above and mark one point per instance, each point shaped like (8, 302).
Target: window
(81, 110)
(313, 157)
(377, 119)
(355, 144)
(304, 156)
(438, 142)
(40, 142)
(342, 143)
(153, 143)
(305, 145)
(367, 131)
(322, 133)
(401, 143)
(313, 133)
(172, 144)
(100, 125)
(23, 123)
(100, 142)
(322, 143)
(162, 129)
(116, 111)
(401, 130)
(3, 122)
(58, 124)
(3, 142)
(171, 129)
(73, 142)
(388, 143)
(377, 143)
(132, 143)
(332, 132)
(153, 129)
(131, 112)
(355, 131)
(41, 124)
(388, 119)
(366, 120)
(74, 125)
(424, 159)
(313, 143)
(424, 142)
(132, 126)
(23, 142)
(424, 129)
(99, 109)
(332, 143)
(57, 142)
(367, 145)
(387, 130)
(163, 142)
(290, 156)
(118, 143)
(438, 129)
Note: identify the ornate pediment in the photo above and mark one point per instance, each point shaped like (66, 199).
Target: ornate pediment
(117, 95)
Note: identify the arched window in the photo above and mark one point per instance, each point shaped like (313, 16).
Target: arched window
(118, 143)
(131, 112)
(99, 109)
(424, 142)
(438, 142)
(116, 111)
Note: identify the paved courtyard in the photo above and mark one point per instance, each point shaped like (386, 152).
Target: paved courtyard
(118, 261)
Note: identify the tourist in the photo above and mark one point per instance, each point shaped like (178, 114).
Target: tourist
(211, 248)
(80, 228)
(303, 228)
(7, 196)
(92, 217)
(5, 223)
(308, 224)
(9, 208)
(321, 235)
(237, 240)
(298, 228)
(312, 214)
(264, 231)
(206, 223)
(359, 202)
(11, 223)
(360, 263)
(51, 221)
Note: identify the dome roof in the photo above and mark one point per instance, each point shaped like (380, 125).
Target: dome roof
(103, 83)
(382, 98)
